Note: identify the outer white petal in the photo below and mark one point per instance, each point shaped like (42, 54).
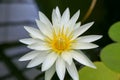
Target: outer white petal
(58, 13)
(83, 45)
(29, 55)
(34, 32)
(44, 19)
(72, 71)
(29, 41)
(65, 17)
(81, 58)
(49, 73)
(67, 57)
(39, 46)
(46, 30)
(55, 19)
(82, 29)
(89, 38)
(74, 18)
(37, 60)
(60, 68)
(50, 60)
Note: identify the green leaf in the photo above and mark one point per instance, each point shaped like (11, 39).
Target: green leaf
(110, 56)
(101, 73)
(114, 32)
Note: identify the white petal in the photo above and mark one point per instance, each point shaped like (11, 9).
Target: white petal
(67, 57)
(29, 41)
(83, 45)
(58, 13)
(50, 60)
(65, 17)
(60, 68)
(72, 71)
(55, 19)
(89, 38)
(29, 56)
(72, 28)
(44, 19)
(34, 32)
(39, 46)
(82, 29)
(74, 18)
(49, 73)
(71, 23)
(77, 25)
(37, 60)
(83, 59)
(46, 30)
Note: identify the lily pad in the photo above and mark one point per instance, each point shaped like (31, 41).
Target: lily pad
(101, 73)
(114, 32)
(110, 55)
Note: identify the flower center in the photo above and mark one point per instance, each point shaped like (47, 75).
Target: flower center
(60, 41)
(60, 44)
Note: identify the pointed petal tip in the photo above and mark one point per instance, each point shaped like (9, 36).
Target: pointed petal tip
(21, 59)
(43, 69)
(29, 46)
(91, 23)
(96, 46)
(36, 20)
(26, 27)
(78, 11)
(57, 7)
(100, 36)
(21, 41)
(67, 10)
(29, 66)
(92, 66)
(39, 12)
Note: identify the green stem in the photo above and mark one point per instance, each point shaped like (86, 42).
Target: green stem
(93, 3)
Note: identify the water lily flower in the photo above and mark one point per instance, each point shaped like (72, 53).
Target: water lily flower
(55, 44)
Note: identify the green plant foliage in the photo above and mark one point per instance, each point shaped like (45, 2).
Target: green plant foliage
(110, 56)
(114, 32)
(101, 73)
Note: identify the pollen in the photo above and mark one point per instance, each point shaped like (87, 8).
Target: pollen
(60, 42)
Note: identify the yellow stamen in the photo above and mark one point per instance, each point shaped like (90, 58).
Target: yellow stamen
(60, 44)
(60, 41)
